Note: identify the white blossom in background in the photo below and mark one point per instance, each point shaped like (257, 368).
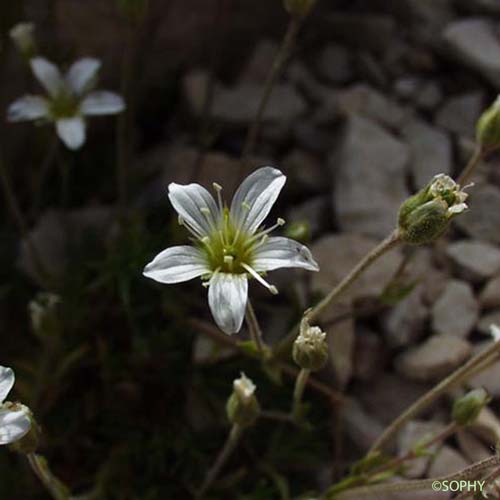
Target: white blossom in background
(495, 332)
(70, 98)
(15, 421)
(229, 244)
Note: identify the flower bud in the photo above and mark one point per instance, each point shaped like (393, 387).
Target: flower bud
(299, 8)
(242, 406)
(310, 350)
(488, 126)
(29, 442)
(44, 315)
(467, 408)
(22, 35)
(425, 216)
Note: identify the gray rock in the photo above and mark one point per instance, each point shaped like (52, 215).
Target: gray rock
(492, 318)
(370, 171)
(378, 396)
(474, 42)
(337, 255)
(238, 105)
(368, 31)
(459, 114)
(314, 212)
(369, 355)
(482, 221)
(447, 461)
(405, 322)
(471, 447)
(490, 294)
(429, 96)
(413, 433)
(359, 425)
(456, 311)
(304, 172)
(335, 64)
(433, 359)
(430, 151)
(477, 260)
(364, 100)
(340, 337)
(407, 87)
(488, 379)
(302, 78)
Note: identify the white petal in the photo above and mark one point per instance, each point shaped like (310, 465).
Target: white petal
(495, 332)
(7, 379)
(29, 107)
(82, 74)
(13, 425)
(48, 75)
(227, 298)
(281, 252)
(102, 102)
(71, 131)
(177, 264)
(191, 203)
(255, 197)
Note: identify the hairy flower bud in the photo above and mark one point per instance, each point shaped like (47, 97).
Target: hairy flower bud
(467, 408)
(488, 126)
(299, 8)
(22, 35)
(425, 216)
(310, 350)
(242, 406)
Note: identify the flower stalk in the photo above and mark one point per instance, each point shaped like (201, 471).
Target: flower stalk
(255, 330)
(54, 486)
(225, 452)
(298, 392)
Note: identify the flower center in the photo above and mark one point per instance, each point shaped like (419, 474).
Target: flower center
(64, 105)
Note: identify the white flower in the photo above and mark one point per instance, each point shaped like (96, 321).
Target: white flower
(229, 244)
(445, 188)
(68, 101)
(495, 332)
(15, 419)
(244, 387)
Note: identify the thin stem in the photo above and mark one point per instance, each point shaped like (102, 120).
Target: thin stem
(277, 415)
(255, 330)
(278, 64)
(298, 392)
(225, 452)
(420, 484)
(20, 221)
(384, 246)
(441, 436)
(57, 489)
(455, 378)
(478, 154)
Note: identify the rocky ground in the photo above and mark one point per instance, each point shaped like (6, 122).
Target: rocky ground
(375, 101)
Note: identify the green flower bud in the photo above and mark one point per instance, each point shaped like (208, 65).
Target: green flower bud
(242, 407)
(29, 442)
(310, 350)
(299, 231)
(22, 36)
(425, 216)
(467, 408)
(488, 126)
(299, 8)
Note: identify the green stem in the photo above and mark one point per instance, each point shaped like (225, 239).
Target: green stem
(478, 154)
(298, 392)
(255, 330)
(54, 486)
(483, 359)
(420, 484)
(224, 454)
(278, 64)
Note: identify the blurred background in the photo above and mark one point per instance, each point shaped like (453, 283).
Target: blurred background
(129, 378)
